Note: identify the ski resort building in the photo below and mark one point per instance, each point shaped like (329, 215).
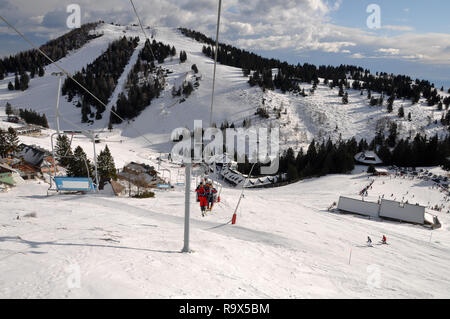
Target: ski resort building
(140, 174)
(9, 176)
(381, 172)
(29, 130)
(33, 155)
(403, 212)
(368, 158)
(359, 207)
(387, 209)
(235, 178)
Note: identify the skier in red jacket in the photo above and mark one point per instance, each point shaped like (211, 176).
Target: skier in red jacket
(202, 197)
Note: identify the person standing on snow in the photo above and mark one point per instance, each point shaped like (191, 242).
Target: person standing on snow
(202, 198)
(384, 240)
(369, 241)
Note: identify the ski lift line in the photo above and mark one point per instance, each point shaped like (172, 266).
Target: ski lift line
(142, 28)
(68, 74)
(215, 63)
(243, 188)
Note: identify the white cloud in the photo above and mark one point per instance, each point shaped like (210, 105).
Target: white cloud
(403, 28)
(292, 25)
(357, 56)
(389, 51)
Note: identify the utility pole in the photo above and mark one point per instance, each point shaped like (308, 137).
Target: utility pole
(60, 75)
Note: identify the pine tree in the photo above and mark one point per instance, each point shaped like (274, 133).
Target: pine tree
(12, 141)
(292, 173)
(85, 111)
(401, 112)
(24, 81)
(8, 110)
(41, 71)
(390, 106)
(183, 56)
(371, 169)
(16, 83)
(3, 144)
(44, 121)
(345, 98)
(392, 139)
(106, 167)
(63, 150)
(77, 164)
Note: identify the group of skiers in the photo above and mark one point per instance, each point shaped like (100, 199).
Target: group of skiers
(383, 240)
(206, 195)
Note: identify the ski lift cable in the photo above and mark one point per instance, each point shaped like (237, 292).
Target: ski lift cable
(68, 74)
(142, 28)
(151, 50)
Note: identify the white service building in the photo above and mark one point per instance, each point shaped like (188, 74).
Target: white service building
(403, 212)
(359, 207)
(387, 209)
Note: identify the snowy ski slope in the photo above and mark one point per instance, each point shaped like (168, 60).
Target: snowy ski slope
(317, 116)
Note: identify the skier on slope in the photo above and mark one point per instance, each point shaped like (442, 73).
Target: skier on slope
(384, 240)
(210, 196)
(202, 197)
(369, 241)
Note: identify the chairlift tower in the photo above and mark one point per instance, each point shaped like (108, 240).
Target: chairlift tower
(60, 75)
(187, 207)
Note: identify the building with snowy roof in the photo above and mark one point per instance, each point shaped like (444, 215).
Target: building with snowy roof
(368, 158)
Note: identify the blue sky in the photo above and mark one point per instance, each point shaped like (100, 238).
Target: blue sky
(424, 16)
(414, 38)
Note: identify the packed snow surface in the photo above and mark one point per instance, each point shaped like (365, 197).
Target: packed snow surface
(285, 245)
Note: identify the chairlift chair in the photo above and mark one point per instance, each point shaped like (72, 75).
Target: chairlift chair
(70, 184)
